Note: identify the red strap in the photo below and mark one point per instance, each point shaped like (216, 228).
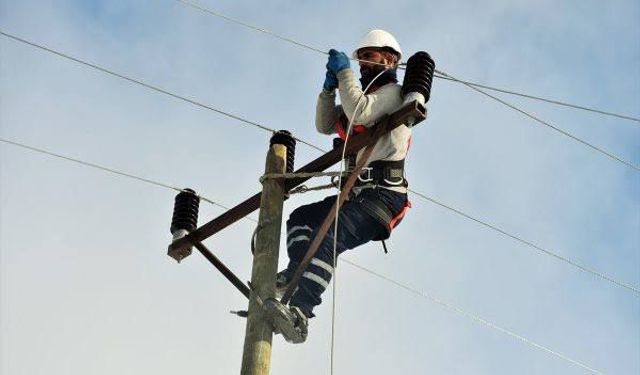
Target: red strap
(339, 129)
(357, 129)
(400, 215)
(338, 126)
(407, 204)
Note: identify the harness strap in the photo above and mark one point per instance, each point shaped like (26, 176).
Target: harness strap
(384, 173)
(340, 126)
(381, 212)
(400, 215)
(395, 221)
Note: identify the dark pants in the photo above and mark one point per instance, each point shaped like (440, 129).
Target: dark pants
(355, 227)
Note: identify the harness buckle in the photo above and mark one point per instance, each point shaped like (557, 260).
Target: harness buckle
(368, 178)
(394, 176)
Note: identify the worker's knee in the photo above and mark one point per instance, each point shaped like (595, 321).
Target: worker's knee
(311, 214)
(298, 216)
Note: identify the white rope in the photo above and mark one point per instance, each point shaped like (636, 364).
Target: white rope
(475, 318)
(110, 170)
(335, 226)
(444, 77)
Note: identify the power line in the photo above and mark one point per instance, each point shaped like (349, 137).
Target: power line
(473, 317)
(255, 28)
(473, 86)
(441, 76)
(111, 170)
(147, 85)
(542, 99)
(255, 124)
(298, 139)
(531, 244)
(545, 123)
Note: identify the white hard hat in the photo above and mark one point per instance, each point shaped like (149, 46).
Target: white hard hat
(379, 39)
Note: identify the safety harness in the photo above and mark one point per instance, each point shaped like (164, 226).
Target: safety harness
(378, 174)
(383, 173)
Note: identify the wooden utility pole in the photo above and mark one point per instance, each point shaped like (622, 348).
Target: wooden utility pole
(256, 359)
(259, 333)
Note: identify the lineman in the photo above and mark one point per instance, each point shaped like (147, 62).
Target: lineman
(378, 200)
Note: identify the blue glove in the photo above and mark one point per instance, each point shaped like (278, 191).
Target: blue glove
(331, 81)
(337, 61)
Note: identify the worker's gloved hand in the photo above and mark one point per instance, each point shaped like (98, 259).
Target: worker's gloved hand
(337, 61)
(330, 81)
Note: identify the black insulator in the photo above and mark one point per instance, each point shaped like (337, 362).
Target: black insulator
(185, 211)
(284, 137)
(419, 75)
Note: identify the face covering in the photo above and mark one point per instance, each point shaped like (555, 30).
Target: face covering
(368, 73)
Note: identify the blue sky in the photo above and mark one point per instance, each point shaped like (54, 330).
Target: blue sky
(85, 284)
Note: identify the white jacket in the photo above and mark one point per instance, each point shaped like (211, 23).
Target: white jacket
(387, 99)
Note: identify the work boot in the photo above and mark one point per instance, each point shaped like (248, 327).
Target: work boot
(290, 321)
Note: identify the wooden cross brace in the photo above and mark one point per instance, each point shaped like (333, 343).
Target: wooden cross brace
(413, 112)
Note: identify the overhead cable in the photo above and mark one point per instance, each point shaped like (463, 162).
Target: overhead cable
(249, 26)
(248, 122)
(473, 317)
(531, 244)
(539, 98)
(238, 118)
(474, 87)
(445, 77)
(111, 170)
(545, 123)
(147, 85)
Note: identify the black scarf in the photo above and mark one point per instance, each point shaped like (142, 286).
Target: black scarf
(367, 75)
